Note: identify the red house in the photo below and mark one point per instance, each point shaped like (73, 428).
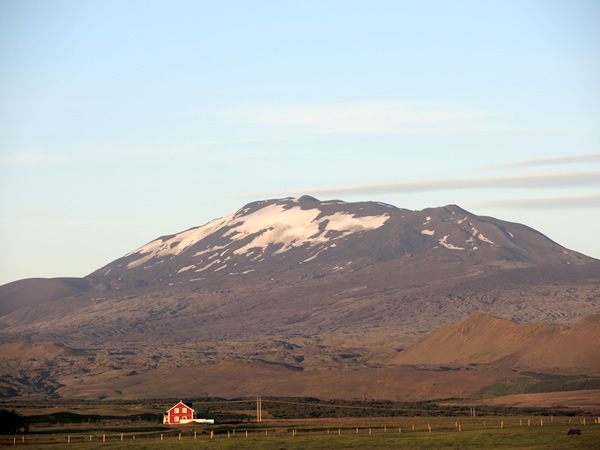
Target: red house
(182, 413)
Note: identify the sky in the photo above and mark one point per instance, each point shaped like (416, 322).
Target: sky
(122, 121)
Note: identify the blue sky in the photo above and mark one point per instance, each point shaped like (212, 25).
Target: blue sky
(121, 121)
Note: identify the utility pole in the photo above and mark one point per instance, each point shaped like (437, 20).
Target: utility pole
(258, 409)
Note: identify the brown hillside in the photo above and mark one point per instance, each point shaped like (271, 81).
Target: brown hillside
(33, 291)
(246, 378)
(27, 350)
(588, 400)
(481, 338)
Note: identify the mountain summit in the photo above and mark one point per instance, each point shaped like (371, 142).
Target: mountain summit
(283, 234)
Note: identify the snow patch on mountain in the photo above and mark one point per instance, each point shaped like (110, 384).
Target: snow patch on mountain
(183, 269)
(294, 227)
(443, 242)
(481, 237)
(275, 224)
(176, 244)
(207, 266)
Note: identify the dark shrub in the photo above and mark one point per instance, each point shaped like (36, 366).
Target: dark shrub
(11, 422)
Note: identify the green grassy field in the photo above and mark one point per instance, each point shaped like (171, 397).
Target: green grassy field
(475, 432)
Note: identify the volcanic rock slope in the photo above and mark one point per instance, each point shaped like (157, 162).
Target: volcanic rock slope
(300, 281)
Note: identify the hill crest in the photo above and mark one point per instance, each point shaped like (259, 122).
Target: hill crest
(484, 339)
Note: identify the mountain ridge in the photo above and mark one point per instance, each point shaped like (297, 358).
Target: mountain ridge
(279, 228)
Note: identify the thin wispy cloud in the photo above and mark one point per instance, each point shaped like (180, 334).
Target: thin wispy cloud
(32, 214)
(237, 141)
(528, 181)
(366, 117)
(560, 202)
(592, 158)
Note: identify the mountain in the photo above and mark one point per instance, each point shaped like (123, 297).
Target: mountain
(279, 235)
(33, 291)
(298, 285)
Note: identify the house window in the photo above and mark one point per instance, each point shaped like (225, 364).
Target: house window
(176, 410)
(183, 410)
(184, 417)
(176, 419)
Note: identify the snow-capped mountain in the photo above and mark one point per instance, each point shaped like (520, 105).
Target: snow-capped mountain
(283, 234)
(297, 284)
(275, 227)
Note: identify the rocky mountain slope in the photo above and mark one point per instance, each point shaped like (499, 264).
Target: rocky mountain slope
(455, 361)
(301, 285)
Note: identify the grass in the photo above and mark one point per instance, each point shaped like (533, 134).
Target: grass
(476, 432)
(517, 386)
(539, 382)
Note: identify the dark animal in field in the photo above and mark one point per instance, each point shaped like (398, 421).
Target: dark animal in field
(577, 432)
